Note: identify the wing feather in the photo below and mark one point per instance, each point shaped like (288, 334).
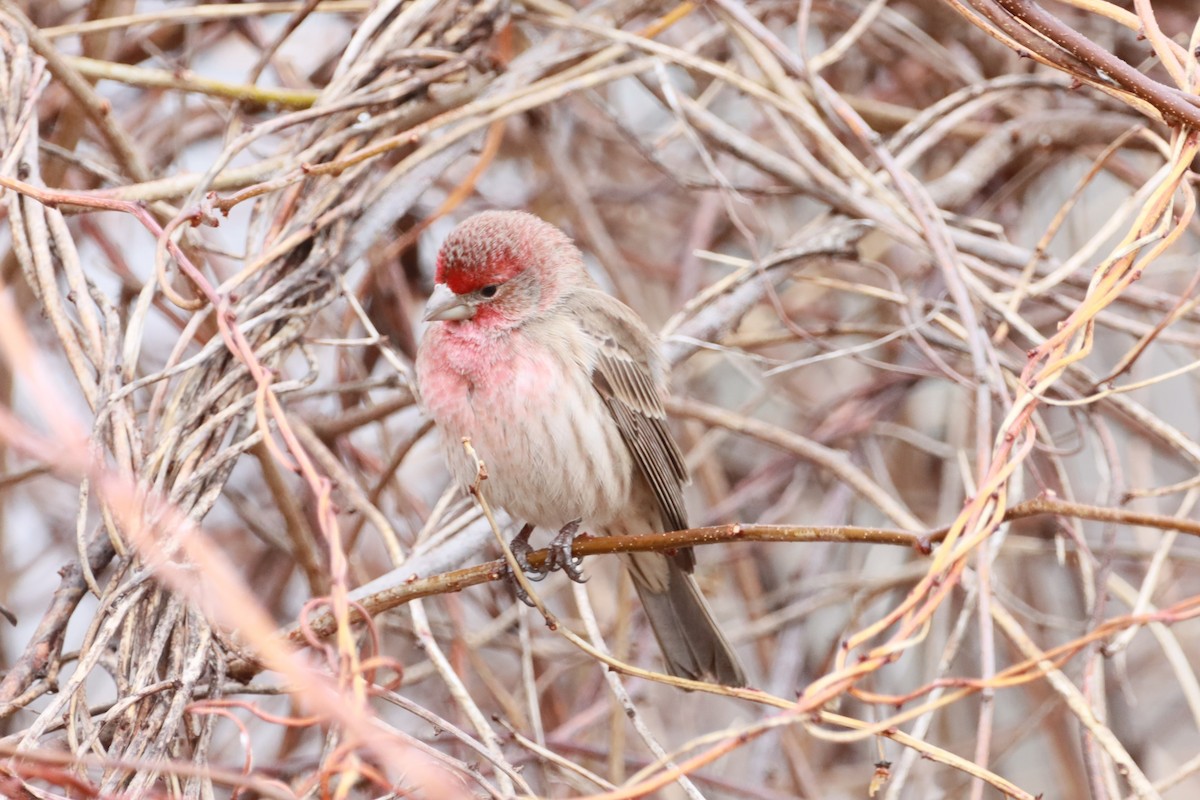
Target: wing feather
(627, 374)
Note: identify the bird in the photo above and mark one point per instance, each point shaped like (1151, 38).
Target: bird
(559, 387)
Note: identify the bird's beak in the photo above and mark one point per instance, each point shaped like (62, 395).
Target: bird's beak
(445, 305)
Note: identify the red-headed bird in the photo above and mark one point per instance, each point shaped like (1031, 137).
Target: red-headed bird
(559, 387)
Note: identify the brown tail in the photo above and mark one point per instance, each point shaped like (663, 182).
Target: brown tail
(691, 642)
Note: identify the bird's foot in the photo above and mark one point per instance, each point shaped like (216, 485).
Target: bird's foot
(561, 556)
(521, 549)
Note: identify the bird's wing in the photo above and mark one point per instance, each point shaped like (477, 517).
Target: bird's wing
(627, 374)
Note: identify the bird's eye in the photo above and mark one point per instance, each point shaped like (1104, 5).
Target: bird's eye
(489, 291)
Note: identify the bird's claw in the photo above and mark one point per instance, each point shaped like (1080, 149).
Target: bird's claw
(519, 590)
(521, 549)
(561, 557)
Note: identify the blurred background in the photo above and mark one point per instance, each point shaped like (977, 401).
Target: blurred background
(915, 264)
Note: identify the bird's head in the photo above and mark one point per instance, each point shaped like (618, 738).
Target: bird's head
(501, 268)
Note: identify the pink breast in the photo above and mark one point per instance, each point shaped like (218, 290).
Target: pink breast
(472, 384)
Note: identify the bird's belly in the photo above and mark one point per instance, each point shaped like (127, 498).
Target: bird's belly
(551, 450)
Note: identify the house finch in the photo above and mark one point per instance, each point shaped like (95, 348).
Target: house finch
(558, 386)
